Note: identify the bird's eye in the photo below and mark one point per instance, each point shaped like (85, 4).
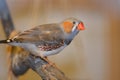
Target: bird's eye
(74, 22)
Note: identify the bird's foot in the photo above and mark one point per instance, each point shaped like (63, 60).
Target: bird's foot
(49, 62)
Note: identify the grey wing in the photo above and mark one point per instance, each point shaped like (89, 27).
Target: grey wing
(48, 34)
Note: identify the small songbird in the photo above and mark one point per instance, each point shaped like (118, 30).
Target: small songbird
(47, 39)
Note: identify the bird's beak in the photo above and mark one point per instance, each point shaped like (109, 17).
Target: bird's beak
(81, 26)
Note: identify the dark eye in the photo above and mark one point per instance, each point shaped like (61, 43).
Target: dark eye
(74, 22)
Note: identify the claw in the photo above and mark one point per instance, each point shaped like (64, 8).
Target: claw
(49, 63)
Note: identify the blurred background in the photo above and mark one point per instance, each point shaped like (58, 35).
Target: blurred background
(94, 54)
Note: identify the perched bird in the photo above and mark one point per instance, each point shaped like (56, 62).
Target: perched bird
(47, 39)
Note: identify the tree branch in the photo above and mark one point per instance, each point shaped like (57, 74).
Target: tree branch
(45, 70)
(6, 18)
(40, 66)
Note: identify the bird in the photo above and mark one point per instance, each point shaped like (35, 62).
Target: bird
(47, 39)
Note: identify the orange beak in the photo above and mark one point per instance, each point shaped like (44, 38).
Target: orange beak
(81, 26)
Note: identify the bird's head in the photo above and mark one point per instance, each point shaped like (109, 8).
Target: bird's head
(72, 26)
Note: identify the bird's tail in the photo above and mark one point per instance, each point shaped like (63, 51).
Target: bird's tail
(5, 41)
(16, 57)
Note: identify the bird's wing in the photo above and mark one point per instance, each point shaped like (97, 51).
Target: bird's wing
(48, 34)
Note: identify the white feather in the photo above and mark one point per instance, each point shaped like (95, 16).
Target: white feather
(75, 25)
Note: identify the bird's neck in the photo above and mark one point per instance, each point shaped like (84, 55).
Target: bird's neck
(70, 37)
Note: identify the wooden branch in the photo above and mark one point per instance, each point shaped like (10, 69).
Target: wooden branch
(40, 66)
(6, 18)
(45, 70)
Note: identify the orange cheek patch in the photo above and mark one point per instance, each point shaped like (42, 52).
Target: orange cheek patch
(68, 26)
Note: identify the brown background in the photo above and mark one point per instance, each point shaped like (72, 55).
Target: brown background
(93, 55)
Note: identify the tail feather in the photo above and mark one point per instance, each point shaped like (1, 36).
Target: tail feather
(5, 41)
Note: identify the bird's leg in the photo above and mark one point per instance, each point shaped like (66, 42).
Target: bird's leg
(48, 61)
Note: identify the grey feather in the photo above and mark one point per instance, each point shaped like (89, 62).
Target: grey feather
(48, 34)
